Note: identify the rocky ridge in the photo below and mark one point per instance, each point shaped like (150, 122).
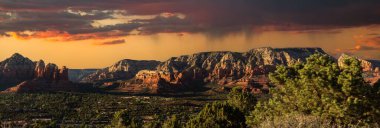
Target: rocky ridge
(122, 70)
(16, 69)
(31, 76)
(247, 69)
(76, 75)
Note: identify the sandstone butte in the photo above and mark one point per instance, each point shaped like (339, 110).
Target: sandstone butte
(29, 76)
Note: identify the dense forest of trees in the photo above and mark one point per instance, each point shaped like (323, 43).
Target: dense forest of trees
(317, 93)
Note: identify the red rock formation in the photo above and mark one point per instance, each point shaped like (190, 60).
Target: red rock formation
(39, 69)
(32, 76)
(224, 68)
(16, 69)
(122, 70)
(64, 74)
(49, 73)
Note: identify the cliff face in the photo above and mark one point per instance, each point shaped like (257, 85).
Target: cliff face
(21, 71)
(122, 70)
(224, 68)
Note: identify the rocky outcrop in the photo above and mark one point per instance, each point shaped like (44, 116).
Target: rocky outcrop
(64, 74)
(224, 68)
(39, 69)
(367, 65)
(122, 70)
(19, 74)
(371, 68)
(51, 72)
(15, 70)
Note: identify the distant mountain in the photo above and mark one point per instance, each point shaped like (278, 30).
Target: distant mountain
(76, 75)
(183, 73)
(247, 69)
(121, 70)
(20, 74)
(16, 69)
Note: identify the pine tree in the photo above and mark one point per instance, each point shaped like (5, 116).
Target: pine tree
(218, 115)
(319, 87)
(172, 122)
(244, 101)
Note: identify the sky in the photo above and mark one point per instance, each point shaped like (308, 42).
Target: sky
(97, 33)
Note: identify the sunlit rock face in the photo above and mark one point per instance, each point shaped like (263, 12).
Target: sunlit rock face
(122, 70)
(371, 68)
(367, 65)
(28, 75)
(52, 79)
(223, 68)
(39, 69)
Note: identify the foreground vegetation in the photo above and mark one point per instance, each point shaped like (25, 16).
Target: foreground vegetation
(320, 89)
(94, 110)
(317, 93)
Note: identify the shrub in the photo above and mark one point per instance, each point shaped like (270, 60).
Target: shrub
(218, 115)
(172, 122)
(121, 119)
(320, 88)
(244, 101)
(296, 121)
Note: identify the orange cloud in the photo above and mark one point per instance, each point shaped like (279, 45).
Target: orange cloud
(54, 35)
(367, 42)
(363, 42)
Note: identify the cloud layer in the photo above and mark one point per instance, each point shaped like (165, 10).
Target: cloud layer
(99, 19)
(113, 42)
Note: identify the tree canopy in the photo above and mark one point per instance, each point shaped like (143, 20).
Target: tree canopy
(218, 115)
(243, 100)
(320, 87)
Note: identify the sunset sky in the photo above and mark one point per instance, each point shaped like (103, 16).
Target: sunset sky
(97, 33)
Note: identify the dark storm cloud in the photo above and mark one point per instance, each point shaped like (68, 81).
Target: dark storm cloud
(215, 16)
(37, 21)
(168, 24)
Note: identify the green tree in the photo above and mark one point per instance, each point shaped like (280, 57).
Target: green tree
(121, 119)
(172, 122)
(319, 87)
(358, 95)
(155, 123)
(218, 115)
(243, 100)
